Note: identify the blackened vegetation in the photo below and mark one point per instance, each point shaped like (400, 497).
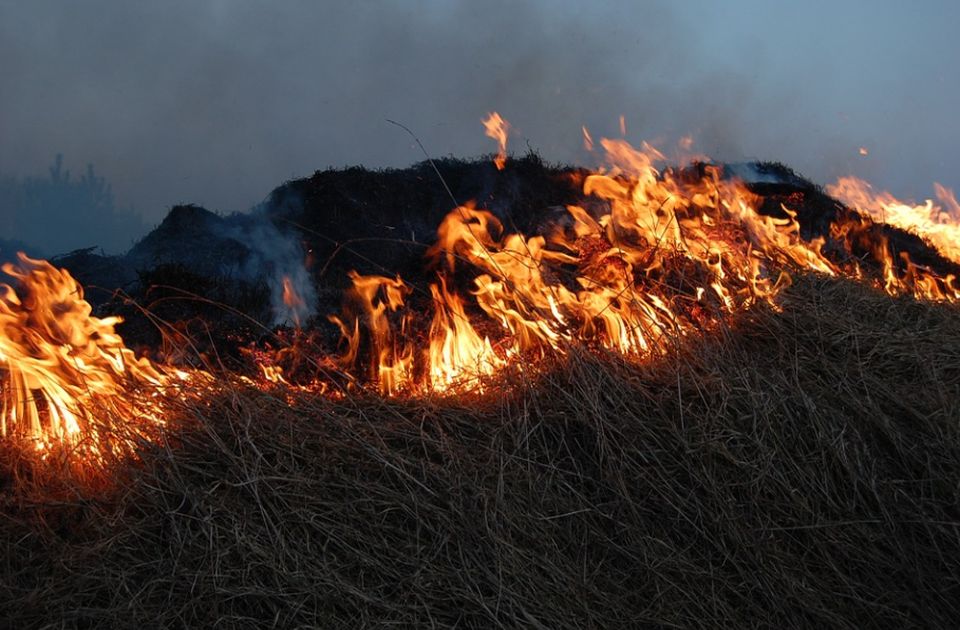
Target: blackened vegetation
(382, 222)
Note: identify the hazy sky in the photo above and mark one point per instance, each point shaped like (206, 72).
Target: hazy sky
(218, 101)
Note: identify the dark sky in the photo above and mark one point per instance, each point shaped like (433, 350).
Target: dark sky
(216, 102)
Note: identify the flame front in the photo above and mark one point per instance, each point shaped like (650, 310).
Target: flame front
(670, 254)
(668, 258)
(65, 373)
(939, 224)
(652, 256)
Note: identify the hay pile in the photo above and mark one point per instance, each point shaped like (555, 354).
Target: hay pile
(799, 469)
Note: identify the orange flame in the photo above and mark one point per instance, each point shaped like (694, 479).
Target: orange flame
(496, 127)
(587, 139)
(66, 375)
(671, 254)
(659, 254)
(292, 300)
(937, 224)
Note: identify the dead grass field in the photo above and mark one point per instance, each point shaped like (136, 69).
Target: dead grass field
(799, 469)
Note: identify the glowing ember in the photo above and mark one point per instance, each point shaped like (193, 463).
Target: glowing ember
(496, 127)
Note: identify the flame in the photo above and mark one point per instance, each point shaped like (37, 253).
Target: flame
(671, 255)
(273, 374)
(658, 254)
(587, 139)
(292, 300)
(66, 375)
(937, 224)
(863, 151)
(496, 127)
(674, 252)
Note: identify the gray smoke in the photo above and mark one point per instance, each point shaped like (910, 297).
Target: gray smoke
(274, 257)
(217, 102)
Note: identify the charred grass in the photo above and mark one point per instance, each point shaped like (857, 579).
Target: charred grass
(797, 469)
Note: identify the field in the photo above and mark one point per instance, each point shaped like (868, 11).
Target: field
(799, 467)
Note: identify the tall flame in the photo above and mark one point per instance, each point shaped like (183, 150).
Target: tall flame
(65, 374)
(496, 127)
(671, 254)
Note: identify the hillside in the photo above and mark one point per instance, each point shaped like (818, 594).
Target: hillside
(795, 470)
(779, 449)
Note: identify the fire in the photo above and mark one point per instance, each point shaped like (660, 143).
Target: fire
(673, 253)
(657, 255)
(292, 300)
(863, 151)
(66, 375)
(587, 139)
(939, 224)
(670, 257)
(496, 127)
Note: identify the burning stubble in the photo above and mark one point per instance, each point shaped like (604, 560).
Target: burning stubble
(668, 253)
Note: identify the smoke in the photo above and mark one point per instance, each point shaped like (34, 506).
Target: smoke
(215, 103)
(276, 258)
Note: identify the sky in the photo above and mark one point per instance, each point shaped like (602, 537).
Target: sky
(216, 102)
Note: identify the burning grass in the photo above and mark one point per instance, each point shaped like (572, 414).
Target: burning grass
(796, 467)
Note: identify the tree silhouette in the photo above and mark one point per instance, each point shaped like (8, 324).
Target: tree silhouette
(58, 213)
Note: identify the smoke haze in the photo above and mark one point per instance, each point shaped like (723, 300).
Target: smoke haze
(217, 102)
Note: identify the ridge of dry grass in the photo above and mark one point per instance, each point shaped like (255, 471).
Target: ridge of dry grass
(799, 469)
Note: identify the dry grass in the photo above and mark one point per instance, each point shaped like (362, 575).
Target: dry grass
(800, 469)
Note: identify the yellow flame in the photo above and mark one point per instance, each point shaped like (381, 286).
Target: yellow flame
(292, 300)
(497, 128)
(669, 254)
(656, 255)
(66, 375)
(938, 224)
